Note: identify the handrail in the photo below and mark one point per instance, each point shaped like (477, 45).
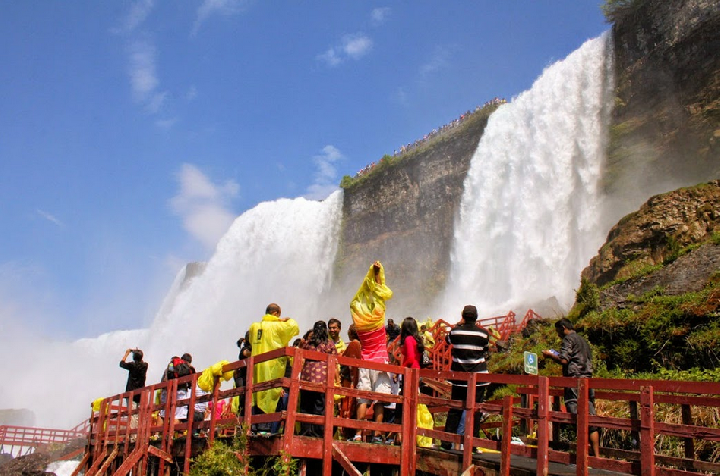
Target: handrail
(112, 425)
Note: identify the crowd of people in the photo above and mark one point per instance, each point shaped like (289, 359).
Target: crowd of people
(369, 337)
(434, 133)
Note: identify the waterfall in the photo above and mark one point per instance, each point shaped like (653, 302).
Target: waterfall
(530, 216)
(281, 251)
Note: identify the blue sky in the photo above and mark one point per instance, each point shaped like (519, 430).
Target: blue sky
(133, 132)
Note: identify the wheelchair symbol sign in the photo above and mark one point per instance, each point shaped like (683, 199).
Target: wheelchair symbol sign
(531, 366)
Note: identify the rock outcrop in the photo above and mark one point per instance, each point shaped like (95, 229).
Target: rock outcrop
(663, 225)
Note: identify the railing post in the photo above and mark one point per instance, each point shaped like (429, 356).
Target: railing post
(408, 452)
(213, 410)
(687, 420)
(583, 407)
(543, 422)
(293, 396)
(329, 414)
(634, 415)
(468, 446)
(190, 422)
(647, 431)
(507, 411)
(249, 383)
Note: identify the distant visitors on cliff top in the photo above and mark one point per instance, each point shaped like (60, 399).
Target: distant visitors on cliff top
(408, 147)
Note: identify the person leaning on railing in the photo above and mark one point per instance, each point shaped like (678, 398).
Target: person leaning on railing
(575, 356)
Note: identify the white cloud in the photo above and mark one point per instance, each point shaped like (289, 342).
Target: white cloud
(49, 217)
(379, 15)
(136, 16)
(191, 93)
(166, 123)
(143, 76)
(202, 205)
(217, 7)
(353, 46)
(142, 69)
(356, 46)
(326, 175)
(437, 61)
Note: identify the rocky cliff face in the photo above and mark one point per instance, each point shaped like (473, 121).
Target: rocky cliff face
(666, 123)
(403, 215)
(656, 233)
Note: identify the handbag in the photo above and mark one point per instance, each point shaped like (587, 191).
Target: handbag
(426, 360)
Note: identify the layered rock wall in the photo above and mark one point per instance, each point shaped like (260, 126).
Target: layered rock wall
(666, 123)
(403, 215)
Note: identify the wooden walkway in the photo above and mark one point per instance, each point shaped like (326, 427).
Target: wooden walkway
(123, 439)
(116, 446)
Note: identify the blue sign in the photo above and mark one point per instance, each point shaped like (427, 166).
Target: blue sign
(531, 366)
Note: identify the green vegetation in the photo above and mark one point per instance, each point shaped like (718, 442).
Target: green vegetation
(615, 10)
(232, 459)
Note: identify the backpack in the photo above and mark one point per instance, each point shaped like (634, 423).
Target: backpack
(178, 368)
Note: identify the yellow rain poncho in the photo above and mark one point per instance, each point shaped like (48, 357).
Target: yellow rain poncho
(206, 381)
(270, 334)
(368, 305)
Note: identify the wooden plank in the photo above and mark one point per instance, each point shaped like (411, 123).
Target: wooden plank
(507, 436)
(160, 454)
(647, 432)
(583, 408)
(543, 433)
(82, 464)
(346, 464)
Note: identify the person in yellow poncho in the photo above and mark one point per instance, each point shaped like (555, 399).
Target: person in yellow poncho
(368, 313)
(273, 332)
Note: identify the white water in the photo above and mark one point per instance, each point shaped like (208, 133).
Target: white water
(280, 251)
(530, 217)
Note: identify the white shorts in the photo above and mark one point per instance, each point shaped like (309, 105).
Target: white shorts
(181, 412)
(373, 381)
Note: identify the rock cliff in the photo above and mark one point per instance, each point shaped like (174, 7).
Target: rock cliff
(665, 130)
(403, 215)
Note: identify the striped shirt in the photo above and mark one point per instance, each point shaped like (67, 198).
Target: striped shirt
(374, 345)
(469, 350)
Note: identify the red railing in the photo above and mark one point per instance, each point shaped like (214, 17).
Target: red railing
(27, 439)
(117, 444)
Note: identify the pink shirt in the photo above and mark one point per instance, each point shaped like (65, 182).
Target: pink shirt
(411, 356)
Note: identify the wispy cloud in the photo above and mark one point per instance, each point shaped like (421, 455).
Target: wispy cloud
(379, 15)
(326, 175)
(49, 217)
(139, 11)
(218, 7)
(353, 46)
(438, 60)
(203, 205)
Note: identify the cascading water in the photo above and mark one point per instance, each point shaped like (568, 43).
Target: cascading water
(281, 251)
(530, 217)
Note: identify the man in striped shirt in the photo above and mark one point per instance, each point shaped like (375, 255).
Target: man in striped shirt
(469, 354)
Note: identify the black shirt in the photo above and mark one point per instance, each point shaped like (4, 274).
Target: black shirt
(136, 376)
(577, 352)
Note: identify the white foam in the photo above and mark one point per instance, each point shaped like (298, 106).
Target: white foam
(530, 216)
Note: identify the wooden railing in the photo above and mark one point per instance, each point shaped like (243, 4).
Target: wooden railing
(27, 439)
(112, 427)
